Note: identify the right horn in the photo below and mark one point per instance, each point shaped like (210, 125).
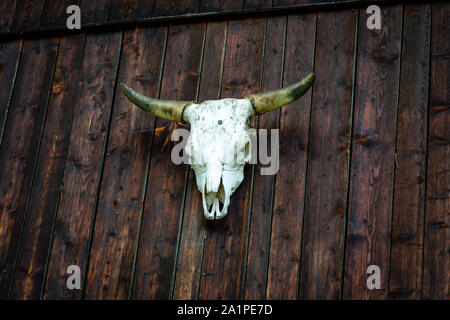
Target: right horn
(268, 101)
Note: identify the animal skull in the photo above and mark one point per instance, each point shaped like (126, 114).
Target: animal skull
(219, 145)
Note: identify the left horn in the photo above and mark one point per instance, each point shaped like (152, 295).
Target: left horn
(268, 101)
(167, 109)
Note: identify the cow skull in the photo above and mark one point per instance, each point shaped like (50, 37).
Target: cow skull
(219, 145)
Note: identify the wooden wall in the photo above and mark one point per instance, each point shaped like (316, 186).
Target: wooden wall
(86, 177)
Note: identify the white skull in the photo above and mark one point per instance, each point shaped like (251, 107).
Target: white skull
(219, 144)
(218, 148)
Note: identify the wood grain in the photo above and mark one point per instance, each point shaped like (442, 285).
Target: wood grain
(225, 244)
(373, 147)
(119, 9)
(173, 7)
(140, 9)
(409, 189)
(220, 5)
(326, 188)
(6, 14)
(257, 4)
(54, 14)
(193, 232)
(18, 151)
(94, 12)
(121, 196)
(436, 276)
(166, 182)
(83, 164)
(9, 61)
(261, 210)
(27, 15)
(284, 258)
(41, 209)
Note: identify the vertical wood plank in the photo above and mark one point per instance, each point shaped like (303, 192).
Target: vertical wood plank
(190, 252)
(94, 12)
(83, 164)
(220, 5)
(9, 61)
(119, 10)
(54, 14)
(164, 199)
(7, 8)
(225, 246)
(280, 3)
(121, 196)
(257, 4)
(289, 190)
(409, 189)
(20, 145)
(41, 209)
(166, 8)
(436, 279)
(261, 211)
(326, 181)
(27, 15)
(373, 146)
(140, 9)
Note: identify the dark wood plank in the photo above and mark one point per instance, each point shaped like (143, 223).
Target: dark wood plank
(140, 9)
(173, 7)
(7, 9)
(436, 281)
(41, 209)
(9, 62)
(225, 246)
(409, 189)
(373, 147)
(328, 157)
(284, 258)
(54, 14)
(83, 163)
(220, 5)
(261, 211)
(20, 145)
(121, 197)
(190, 252)
(279, 3)
(94, 12)
(257, 4)
(166, 182)
(119, 10)
(27, 15)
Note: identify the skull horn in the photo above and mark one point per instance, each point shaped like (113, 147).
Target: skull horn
(268, 101)
(167, 109)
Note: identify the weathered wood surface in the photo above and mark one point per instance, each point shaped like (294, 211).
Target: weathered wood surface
(225, 243)
(193, 232)
(29, 15)
(262, 195)
(83, 163)
(164, 199)
(121, 197)
(436, 275)
(20, 146)
(289, 189)
(41, 210)
(87, 179)
(373, 146)
(410, 175)
(328, 152)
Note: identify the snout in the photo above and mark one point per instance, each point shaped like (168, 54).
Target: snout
(215, 203)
